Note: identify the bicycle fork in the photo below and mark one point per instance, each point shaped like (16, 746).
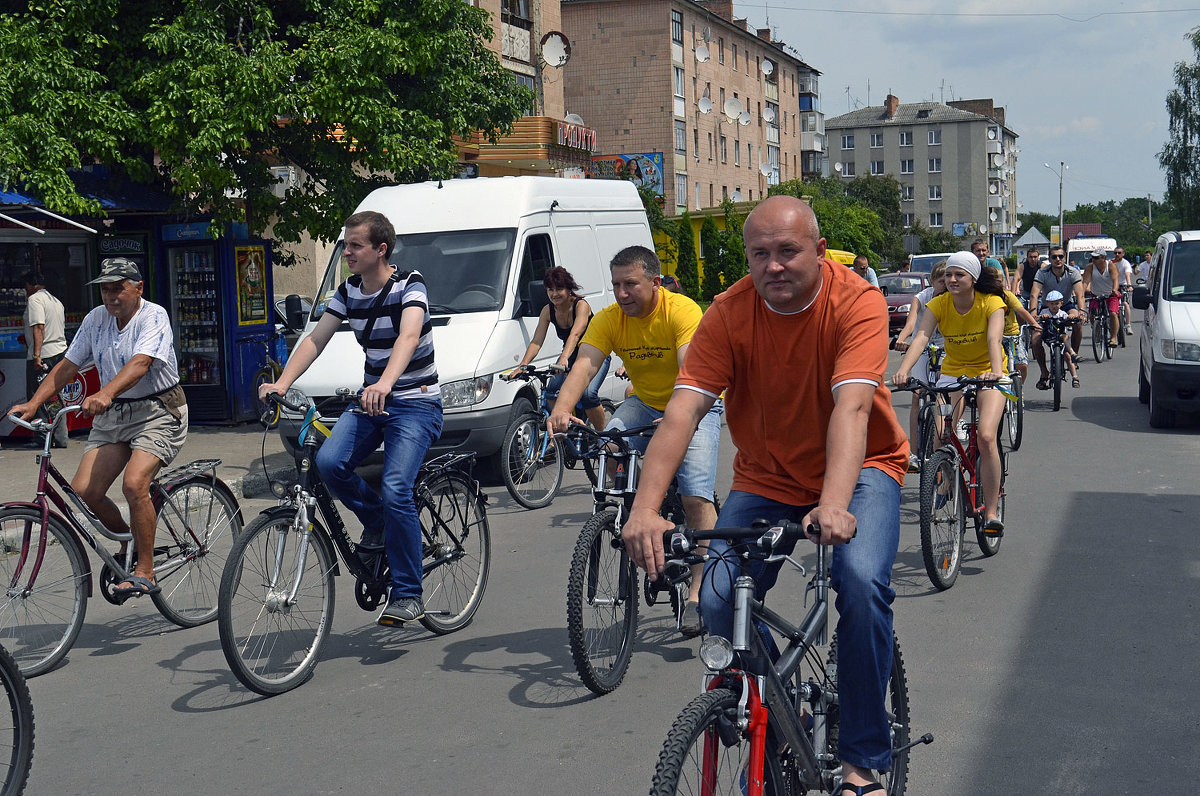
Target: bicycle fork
(280, 598)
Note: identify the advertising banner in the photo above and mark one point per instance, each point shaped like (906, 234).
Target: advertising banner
(645, 169)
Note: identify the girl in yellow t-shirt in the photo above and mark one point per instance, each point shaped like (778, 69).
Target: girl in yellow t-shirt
(970, 316)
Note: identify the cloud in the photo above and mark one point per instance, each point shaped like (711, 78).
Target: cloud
(1086, 124)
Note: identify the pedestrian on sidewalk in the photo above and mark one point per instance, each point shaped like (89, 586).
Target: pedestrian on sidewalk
(45, 343)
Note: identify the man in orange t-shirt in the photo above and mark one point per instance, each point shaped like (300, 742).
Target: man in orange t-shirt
(800, 349)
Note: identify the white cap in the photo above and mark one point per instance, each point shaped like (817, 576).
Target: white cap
(1098, 253)
(1054, 295)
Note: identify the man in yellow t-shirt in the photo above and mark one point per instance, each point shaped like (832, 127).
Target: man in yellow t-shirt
(650, 329)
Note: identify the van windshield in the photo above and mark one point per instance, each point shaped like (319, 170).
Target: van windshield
(1183, 272)
(464, 270)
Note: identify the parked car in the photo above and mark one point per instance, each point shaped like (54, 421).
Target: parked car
(899, 290)
(1169, 344)
(925, 262)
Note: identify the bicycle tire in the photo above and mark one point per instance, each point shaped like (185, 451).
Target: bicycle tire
(19, 737)
(602, 605)
(589, 462)
(531, 476)
(194, 533)
(705, 730)
(1109, 348)
(1098, 336)
(40, 627)
(1057, 374)
(454, 530)
(942, 527)
(273, 648)
(268, 414)
(926, 433)
(989, 544)
(1016, 414)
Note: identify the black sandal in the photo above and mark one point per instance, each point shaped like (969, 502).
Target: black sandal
(1043, 383)
(860, 790)
(1074, 382)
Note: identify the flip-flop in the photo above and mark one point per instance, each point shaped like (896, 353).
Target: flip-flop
(140, 586)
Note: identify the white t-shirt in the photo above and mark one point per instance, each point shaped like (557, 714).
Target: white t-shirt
(148, 332)
(1125, 271)
(43, 308)
(922, 299)
(1143, 271)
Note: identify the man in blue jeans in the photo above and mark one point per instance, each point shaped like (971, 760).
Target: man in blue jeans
(800, 348)
(389, 313)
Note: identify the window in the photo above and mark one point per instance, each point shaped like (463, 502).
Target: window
(906, 166)
(515, 8)
(677, 27)
(877, 167)
(723, 149)
(909, 219)
(935, 137)
(720, 49)
(906, 138)
(935, 192)
(848, 142)
(527, 82)
(681, 190)
(679, 82)
(906, 193)
(876, 140)
(749, 155)
(735, 57)
(935, 219)
(737, 152)
(935, 165)
(848, 169)
(710, 146)
(696, 142)
(724, 192)
(680, 137)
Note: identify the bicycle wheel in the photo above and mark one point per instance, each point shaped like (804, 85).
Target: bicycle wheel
(1057, 374)
(926, 431)
(531, 474)
(194, 532)
(273, 643)
(589, 462)
(707, 753)
(1016, 414)
(39, 627)
(989, 544)
(1099, 336)
(943, 518)
(1109, 348)
(602, 605)
(267, 413)
(16, 735)
(456, 548)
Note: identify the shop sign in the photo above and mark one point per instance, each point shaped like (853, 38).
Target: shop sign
(576, 136)
(645, 169)
(197, 230)
(134, 244)
(74, 392)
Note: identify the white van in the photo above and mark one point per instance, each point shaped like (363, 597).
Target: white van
(1079, 250)
(1169, 363)
(483, 246)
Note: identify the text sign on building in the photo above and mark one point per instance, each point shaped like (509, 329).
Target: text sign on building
(644, 169)
(576, 136)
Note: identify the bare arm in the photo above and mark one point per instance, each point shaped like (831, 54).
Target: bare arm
(126, 377)
(586, 365)
(995, 338)
(38, 330)
(928, 323)
(910, 325)
(539, 337)
(62, 375)
(845, 449)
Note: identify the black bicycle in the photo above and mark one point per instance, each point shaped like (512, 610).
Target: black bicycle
(1053, 331)
(277, 593)
(1102, 345)
(16, 734)
(768, 723)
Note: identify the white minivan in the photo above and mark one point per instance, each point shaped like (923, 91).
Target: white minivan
(1169, 346)
(483, 246)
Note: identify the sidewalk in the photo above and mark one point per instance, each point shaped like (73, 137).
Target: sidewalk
(240, 449)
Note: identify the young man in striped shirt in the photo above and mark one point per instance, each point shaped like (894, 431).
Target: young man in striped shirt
(400, 398)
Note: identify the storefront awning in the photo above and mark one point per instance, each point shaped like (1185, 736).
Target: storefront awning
(115, 194)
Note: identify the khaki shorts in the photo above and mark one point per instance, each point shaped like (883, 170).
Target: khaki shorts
(144, 425)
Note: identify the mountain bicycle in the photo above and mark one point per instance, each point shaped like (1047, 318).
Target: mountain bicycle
(950, 491)
(1102, 347)
(1123, 318)
(277, 591)
(532, 461)
(1014, 410)
(48, 572)
(16, 734)
(1053, 332)
(768, 723)
(602, 587)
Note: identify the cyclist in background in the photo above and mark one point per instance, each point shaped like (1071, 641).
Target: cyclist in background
(970, 315)
(570, 315)
(916, 311)
(1026, 271)
(1066, 279)
(801, 346)
(650, 329)
(1125, 271)
(1015, 314)
(1054, 310)
(1100, 277)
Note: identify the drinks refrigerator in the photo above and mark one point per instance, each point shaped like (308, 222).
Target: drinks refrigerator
(218, 294)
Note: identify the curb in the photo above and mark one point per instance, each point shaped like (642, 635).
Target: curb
(257, 484)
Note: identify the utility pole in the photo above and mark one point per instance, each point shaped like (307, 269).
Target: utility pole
(1062, 167)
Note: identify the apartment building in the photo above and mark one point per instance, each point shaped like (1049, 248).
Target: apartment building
(956, 163)
(690, 100)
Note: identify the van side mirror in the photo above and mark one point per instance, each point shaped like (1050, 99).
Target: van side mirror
(1141, 297)
(294, 316)
(531, 307)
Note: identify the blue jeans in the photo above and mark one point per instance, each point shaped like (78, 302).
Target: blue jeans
(407, 431)
(591, 396)
(697, 474)
(861, 574)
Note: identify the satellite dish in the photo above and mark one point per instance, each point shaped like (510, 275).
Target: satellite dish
(744, 118)
(769, 114)
(702, 54)
(705, 105)
(992, 216)
(993, 188)
(1017, 223)
(765, 169)
(707, 34)
(573, 118)
(992, 134)
(997, 160)
(736, 196)
(982, 228)
(767, 67)
(838, 167)
(556, 50)
(733, 108)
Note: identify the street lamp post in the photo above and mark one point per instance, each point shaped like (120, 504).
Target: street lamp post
(1062, 167)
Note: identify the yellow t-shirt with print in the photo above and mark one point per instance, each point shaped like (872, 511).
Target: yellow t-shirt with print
(1011, 325)
(966, 334)
(648, 346)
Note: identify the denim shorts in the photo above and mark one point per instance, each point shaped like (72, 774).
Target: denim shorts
(697, 475)
(1014, 346)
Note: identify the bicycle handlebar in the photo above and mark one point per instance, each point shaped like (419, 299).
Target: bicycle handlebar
(527, 372)
(38, 424)
(963, 382)
(681, 540)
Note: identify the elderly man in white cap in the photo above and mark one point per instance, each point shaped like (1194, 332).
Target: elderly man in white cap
(1066, 279)
(139, 414)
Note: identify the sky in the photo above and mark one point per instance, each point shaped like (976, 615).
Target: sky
(1085, 83)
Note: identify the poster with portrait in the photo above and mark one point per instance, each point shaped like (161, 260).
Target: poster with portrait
(251, 263)
(644, 170)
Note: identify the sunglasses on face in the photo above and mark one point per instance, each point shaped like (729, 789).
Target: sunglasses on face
(1058, 257)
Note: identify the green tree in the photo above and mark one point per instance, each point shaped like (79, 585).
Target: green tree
(202, 97)
(734, 266)
(1042, 221)
(664, 230)
(1180, 155)
(934, 241)
(846, 223)
(882, 195)
(685, 262)
(713, 244)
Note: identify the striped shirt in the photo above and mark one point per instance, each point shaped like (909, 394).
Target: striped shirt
(405, 289)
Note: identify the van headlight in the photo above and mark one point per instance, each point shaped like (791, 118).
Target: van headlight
(1181, 351)
(467, 392)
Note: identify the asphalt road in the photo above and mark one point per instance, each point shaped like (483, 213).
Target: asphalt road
(1062, 665)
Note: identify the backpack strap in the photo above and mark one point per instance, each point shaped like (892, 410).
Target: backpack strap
(378, 305)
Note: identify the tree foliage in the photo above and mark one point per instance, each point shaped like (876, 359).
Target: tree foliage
(686, 269)
(664, 230)
(734, 265)
(713, 244)
(882, 195)
(202, 97)
(1180, 155)
(846, 222)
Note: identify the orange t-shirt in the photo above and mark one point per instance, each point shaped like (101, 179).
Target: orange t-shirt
(779, 372)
